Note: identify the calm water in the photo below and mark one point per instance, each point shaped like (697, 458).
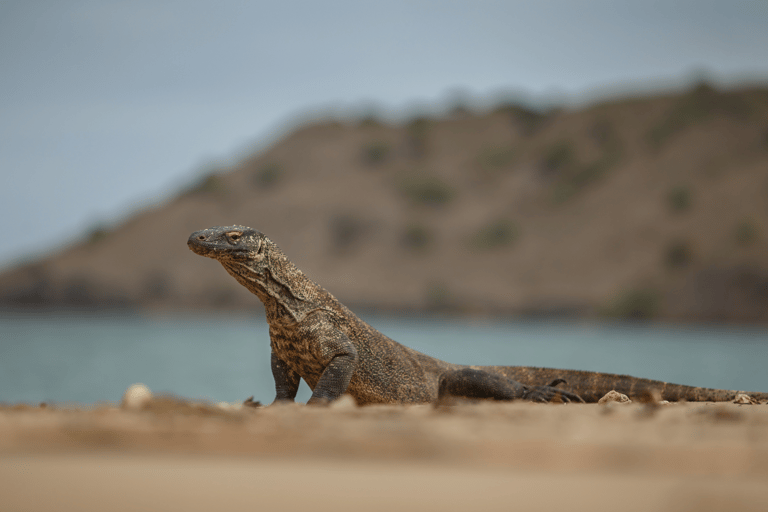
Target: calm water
(90, 358)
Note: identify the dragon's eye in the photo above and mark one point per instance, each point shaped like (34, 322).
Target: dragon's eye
(234, 237)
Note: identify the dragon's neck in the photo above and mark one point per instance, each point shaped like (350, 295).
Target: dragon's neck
(286, 292)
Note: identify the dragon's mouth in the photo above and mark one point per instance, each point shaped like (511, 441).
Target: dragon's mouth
(200, 247)
(210, 250)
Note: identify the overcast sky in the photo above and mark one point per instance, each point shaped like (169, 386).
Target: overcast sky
(108, 106)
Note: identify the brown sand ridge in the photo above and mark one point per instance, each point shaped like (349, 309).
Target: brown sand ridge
(174, 455)
(644, 207)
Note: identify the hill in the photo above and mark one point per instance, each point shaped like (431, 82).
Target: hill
(653, 207)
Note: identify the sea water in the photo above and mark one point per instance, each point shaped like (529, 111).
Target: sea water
(67, 357)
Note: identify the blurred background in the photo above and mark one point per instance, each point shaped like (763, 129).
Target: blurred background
(520, 174)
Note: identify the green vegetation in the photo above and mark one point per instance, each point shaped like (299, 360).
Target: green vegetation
(424, 189)
(499, 233)
(419, 125)
(346, 230)
(576, 175)
(157, 285)
(526, 119)
(699, 104)
(417, 131)
(563, 191)
(496, 157)
(571, 176)
(604, 133)
(417, 238)
(371, 119)
(594, 171)
(376, 152)
(97, 234)
(679, 199)
(558, 157)
(459, 110)
(746, 232)
(678, 254)
(635, 304)
(268, 175)
(459, 103)
(209, 184)
(438, 296)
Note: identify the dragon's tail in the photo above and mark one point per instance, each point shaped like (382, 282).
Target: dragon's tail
(592, 386)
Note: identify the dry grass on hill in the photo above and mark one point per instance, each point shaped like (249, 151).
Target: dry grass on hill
(647, 207)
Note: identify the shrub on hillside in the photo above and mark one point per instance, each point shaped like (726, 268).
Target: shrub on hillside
(268, 175)
(426, 190)
(746, 232)
(97, 234)
(438, 297)
(592, 172)
(698, 105)
(525, 119)
(209, 184)
(346, 230)
(572, 176)
(417, 131)
(417, 237)
(371, 119)
(496, 157)
(635, 304)
(376, 152)
(499, 233)
(558, 157)
(679, 199)
(678, 254)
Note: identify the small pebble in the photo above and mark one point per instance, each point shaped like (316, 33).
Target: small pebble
(137, 396)
(228, 406)
(614, 396)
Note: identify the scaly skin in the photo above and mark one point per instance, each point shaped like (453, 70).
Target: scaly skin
(315, 337)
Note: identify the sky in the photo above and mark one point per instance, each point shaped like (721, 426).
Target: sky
(107, 107)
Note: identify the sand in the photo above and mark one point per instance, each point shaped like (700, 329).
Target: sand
(173, 455)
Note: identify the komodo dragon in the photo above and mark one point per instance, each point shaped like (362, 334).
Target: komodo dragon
(315, 337)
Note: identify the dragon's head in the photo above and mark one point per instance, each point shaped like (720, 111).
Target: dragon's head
(232, 245)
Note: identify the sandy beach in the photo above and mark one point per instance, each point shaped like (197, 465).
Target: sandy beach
(177, 455)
